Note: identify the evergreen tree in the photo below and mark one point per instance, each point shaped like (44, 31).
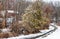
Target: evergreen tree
(35, 17)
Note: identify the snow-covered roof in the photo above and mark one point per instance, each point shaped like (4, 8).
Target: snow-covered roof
(12, 11)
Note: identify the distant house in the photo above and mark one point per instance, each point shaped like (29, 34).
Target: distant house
(10, 13)
(8, 16)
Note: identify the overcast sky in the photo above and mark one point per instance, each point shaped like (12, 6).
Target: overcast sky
(46, 0)
(51, 0)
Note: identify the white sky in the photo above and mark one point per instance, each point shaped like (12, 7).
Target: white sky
(51, 0)
(45, 0)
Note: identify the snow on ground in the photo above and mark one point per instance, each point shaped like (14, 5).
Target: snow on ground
(54, 35)
(5, 30)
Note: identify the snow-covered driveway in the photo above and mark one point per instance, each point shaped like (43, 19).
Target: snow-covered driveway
(54, 35)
